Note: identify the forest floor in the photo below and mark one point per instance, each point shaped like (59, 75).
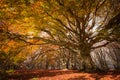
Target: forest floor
(61, 75)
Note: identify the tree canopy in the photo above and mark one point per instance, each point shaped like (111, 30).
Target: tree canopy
(73, 25)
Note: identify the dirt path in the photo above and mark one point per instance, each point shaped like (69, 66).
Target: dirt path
(61, 75)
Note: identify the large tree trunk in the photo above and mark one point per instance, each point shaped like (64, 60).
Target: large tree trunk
(87, 63)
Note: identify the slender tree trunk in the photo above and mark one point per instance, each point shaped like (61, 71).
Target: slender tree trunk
(67, 63)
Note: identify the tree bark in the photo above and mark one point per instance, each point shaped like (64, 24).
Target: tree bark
(87, 63)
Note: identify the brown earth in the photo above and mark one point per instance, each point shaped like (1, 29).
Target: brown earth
(61, 75)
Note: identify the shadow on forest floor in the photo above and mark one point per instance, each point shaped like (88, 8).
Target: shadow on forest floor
(71, 74)
(28, 74)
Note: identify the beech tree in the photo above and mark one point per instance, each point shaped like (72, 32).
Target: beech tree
(78, 24)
